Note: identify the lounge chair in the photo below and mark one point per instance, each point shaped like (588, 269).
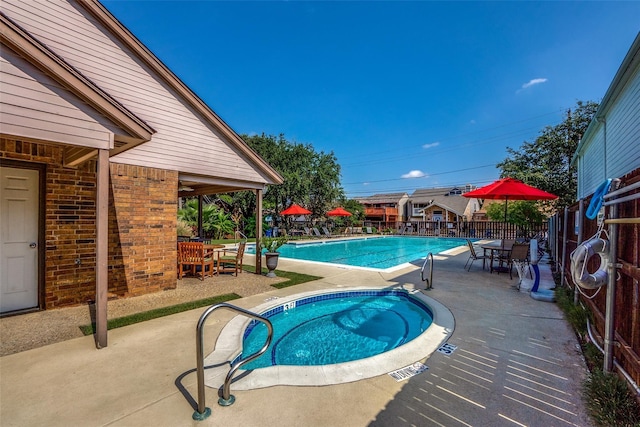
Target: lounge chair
(369, 230)
(316, 232)
(474, 256)
(326, 232)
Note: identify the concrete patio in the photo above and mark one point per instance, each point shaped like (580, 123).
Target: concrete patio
(517, 363)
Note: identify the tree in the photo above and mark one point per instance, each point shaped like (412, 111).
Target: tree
(546, 162)
(520, 212)
(311, 178)
(356, 209)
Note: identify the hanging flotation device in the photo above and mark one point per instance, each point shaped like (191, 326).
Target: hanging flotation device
(597, 199)
(580, 257)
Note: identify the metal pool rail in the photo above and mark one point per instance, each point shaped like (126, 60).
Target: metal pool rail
(428, 262)
(227, 398)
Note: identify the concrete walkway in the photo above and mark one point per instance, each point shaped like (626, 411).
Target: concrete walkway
(517, 363)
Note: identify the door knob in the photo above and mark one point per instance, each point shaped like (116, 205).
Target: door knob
(32, 245)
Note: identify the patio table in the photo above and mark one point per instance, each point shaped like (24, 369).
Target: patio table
(499, 250)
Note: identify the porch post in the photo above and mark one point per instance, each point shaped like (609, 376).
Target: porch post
(200, 232)
(102, 246)
(258, 231)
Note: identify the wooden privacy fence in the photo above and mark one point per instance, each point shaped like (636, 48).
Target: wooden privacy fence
(570, 228)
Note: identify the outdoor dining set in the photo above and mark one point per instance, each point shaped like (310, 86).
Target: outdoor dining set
(501, 255)
(202, 259)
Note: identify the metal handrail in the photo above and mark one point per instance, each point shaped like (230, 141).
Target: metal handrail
(429, 280)
(227, 398)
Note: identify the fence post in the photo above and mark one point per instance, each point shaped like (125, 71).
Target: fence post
(564, 244)
(609, 316)
(576, 293)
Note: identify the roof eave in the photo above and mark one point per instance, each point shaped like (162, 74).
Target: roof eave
(105, 17)
(630, 62)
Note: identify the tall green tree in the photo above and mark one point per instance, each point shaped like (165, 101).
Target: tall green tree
(311, 178)
(546, 162)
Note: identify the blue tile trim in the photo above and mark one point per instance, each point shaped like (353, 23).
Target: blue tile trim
(347, 294)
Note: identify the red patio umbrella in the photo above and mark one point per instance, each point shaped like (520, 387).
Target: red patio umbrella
(509, 189)
(295, 210)
(338, 212)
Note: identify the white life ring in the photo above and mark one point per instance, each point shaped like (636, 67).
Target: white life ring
(581, 256)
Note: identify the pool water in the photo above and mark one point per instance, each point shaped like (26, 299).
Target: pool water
(336, 328)
(378, 252)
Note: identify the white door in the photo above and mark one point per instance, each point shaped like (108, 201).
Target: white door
(18, 238)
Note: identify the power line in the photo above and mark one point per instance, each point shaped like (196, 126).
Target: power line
(364, 193)
(475, 133)
(436, 152)
(427, 176)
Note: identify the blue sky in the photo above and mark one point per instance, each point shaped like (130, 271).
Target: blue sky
(407, 95)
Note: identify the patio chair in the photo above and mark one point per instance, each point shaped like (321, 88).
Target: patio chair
(369, 230)
(316, 232)
(230, 261)
(192, 257)
(326, 232)
(473, 256)
(519, 256)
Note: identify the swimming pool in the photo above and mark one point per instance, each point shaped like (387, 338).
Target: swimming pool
(374, 252)
(229, 345)
(337, 327)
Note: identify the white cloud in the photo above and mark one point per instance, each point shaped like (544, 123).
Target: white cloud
(414, 174)
(530, 83)
(431, 145)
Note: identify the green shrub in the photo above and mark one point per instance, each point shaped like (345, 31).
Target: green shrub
(610, 401)
(576, 315)
(593, 356)
(184, 229)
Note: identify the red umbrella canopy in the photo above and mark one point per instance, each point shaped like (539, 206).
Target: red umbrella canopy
(338, 212)
(510, 189)
(295, 210)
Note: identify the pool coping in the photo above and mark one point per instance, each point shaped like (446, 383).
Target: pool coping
(387, 270)
(229, 342)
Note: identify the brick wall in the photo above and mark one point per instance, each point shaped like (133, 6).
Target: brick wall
(142, 230)
(142, 226)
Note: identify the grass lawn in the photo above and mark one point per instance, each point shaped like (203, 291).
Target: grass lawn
(294, 279)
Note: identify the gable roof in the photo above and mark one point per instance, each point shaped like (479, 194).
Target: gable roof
(136, 131)
(444, 197)
(382, 198)
(107, 19)
(423, 195)
(81, 33)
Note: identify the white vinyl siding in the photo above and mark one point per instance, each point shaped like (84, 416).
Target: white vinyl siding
(27, 93)
(183, 141)
(592, 168)
(623, 130)
(618, 152)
